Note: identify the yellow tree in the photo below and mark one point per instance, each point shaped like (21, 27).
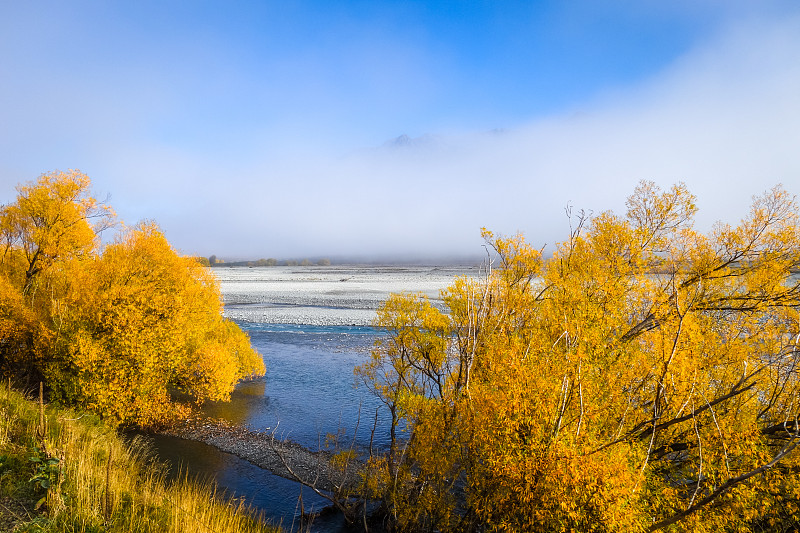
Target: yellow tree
(122, 333)
(642, 378)
(53, 218)
(142, 323)
(24, 339)
(410, 373)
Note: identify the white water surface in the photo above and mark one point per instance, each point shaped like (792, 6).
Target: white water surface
(325, 296)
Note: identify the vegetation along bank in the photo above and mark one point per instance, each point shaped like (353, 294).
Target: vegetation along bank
(642, 378)
(113, 330)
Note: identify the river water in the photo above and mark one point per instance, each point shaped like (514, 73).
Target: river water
(313, 326)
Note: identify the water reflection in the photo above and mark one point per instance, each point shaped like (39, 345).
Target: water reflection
(312, 328)
(248, 397)
(277, 498)
(309, 390)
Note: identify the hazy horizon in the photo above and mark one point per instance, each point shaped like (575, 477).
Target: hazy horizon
(402, 260)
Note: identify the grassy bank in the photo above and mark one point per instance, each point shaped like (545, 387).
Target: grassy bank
(62, 471)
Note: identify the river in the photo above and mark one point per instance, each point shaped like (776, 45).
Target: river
(312, 325)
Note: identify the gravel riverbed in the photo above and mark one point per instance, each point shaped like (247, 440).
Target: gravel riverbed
(262, 448)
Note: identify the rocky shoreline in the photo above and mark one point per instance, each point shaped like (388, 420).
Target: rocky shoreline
(281, 457)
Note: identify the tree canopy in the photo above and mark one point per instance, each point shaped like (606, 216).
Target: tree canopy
(643, 378)
(118, 330)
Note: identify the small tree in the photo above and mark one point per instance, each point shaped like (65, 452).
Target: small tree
(53, 218)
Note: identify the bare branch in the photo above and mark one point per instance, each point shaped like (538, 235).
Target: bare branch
(732, 482)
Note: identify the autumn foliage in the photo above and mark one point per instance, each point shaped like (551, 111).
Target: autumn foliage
(121, 330)
(645, 377)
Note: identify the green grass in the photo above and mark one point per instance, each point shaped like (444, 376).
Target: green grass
(87, 479)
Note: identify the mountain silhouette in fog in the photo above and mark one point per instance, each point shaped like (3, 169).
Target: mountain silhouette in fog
(406, 142)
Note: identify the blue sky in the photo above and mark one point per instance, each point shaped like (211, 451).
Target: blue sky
(258, 129)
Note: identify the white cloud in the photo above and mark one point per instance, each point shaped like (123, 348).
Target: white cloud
(724, 119)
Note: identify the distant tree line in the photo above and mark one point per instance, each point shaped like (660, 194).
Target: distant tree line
(271, 262)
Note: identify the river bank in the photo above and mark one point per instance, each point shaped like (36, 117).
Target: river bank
(264, 449)
(312, 326)
(68, 471)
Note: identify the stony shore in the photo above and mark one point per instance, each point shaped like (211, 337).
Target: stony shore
(281, 457)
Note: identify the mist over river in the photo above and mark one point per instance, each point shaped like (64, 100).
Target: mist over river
(313, 326)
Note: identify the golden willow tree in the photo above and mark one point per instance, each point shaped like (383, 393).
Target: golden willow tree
(117, 331)
(643, 378)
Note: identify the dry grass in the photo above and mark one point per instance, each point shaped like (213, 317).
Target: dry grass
(88, 479)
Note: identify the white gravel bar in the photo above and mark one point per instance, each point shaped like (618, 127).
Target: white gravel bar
(325, 296)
